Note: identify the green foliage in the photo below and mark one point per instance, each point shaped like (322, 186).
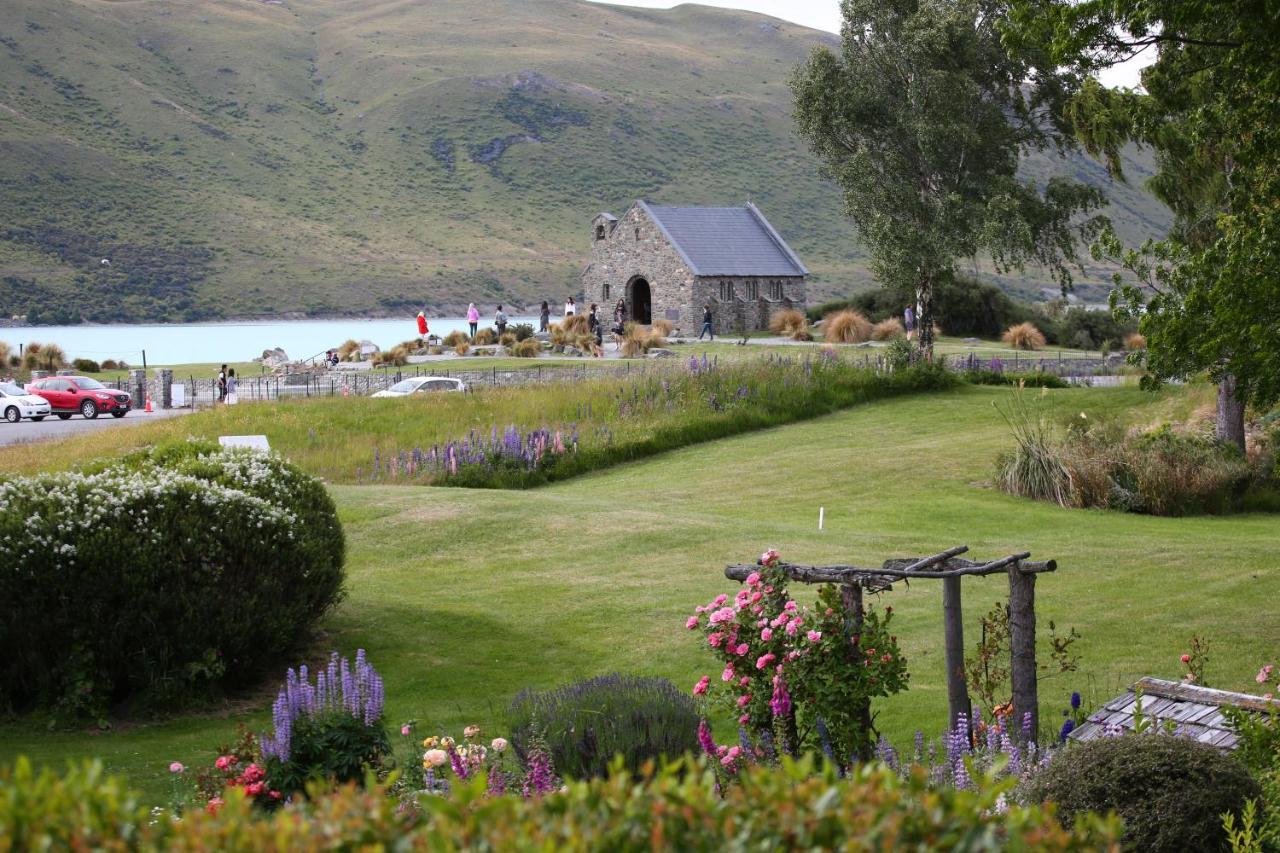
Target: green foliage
(85, 365)
(1171, 792)
(159, 576)
(330, 746)
(527, 348)
(676, 807)
(586, 724)
(522, 331)
(1033, 379)
(921, 118)
(1032, 469)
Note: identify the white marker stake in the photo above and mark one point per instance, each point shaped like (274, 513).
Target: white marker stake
(822, 511)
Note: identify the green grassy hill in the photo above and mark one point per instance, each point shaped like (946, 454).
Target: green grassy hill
(247, 157)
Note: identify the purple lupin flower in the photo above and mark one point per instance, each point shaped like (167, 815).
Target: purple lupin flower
(497, 781)
(705, 740)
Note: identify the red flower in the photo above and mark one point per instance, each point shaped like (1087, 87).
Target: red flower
(1186, 658)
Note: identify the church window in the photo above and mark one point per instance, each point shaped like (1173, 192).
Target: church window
(753, 289)
(637, 235)
(775, 290)
(606, 291)
(726, 291)
(599, 232)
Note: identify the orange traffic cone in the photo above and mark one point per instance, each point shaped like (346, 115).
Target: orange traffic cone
(148, 409)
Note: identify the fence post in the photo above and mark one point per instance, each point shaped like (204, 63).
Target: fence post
(953, 631)
(854, 614)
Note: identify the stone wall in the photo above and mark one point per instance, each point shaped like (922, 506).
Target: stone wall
(733, 307)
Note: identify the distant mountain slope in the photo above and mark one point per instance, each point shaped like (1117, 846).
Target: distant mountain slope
(247, 157)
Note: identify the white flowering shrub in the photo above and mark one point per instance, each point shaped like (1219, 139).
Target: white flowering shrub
(159, 577)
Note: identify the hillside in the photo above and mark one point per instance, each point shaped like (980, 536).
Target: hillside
(250, 157)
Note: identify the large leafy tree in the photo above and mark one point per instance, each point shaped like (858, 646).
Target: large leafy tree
(921, 118)
(1208, 296)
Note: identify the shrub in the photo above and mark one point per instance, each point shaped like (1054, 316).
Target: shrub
(397, 356)
(801, 333)
(900, 353)
(5, 353)
(887, 330)
(1175, 474)
(662, 327)
(1171, 792)
(1024, 336)
(1088, 329)
(1032, 469)
(638, 340)
(462, 347)
(794, 807)
(159, 576)
(846, 327)
(485, 336)
(585, 724)
(522, 331)
(1135, 341)
(454, 338)
(507, 339)
(787, 321)
(1033, 379)
(528, 348)
(111, 364)
(85, 365)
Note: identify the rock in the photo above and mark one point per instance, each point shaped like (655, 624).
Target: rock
(274, 358)
(573, 351)
(661, 353)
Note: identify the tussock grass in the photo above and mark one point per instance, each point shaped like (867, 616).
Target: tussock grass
(38, 356)
(787, 321)
(484, 337)
(887, 330)
(528, 348)
(1135, 341)
(801, 333)
(454, 338)
(663, 326)
(462, 347)
(1024, 336)
(575, 324)
(846, 327)
(349, 350)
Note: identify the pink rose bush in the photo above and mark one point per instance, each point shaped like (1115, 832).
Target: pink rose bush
(793, 676)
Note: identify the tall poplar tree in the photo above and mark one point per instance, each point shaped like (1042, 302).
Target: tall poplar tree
(921, 118)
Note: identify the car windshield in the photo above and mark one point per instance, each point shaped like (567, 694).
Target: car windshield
(404, 387)
(89, 384)
(11, 390)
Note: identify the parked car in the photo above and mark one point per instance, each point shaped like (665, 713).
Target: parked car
(17, 404)
(69, 395)
(421, 385)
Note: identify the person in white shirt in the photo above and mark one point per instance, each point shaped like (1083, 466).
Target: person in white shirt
(569, 308)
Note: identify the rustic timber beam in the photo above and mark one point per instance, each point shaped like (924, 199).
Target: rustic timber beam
(856, 574)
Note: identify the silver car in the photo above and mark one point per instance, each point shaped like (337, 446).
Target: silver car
(16, 404)
(421, 385)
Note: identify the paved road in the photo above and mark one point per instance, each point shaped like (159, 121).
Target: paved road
(54, 427)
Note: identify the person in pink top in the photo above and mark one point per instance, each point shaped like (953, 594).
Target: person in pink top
(473, 318)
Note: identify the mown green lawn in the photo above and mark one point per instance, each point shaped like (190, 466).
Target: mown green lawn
(464, 597)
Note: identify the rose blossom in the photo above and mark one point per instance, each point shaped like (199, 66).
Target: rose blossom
(1264, 674)
(176, 767)
(814, 636)
(744, 681)
(691, 623)
(765, 660)
(701, 687)
(741, 649)
(434, 757)
(744, 719)
(728, 673)
(1185, 658)
(766, 635)
(404, 730)
(753, 579)
(500, 743)
(744, 700)
(470, 732)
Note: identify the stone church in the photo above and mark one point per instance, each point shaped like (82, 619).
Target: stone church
(667, 262)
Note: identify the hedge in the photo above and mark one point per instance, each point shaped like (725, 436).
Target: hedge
(792, 807)
(159, 576)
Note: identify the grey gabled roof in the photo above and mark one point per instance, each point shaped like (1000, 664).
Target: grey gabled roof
(725, 240)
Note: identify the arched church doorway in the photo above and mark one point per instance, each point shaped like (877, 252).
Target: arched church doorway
(641, 301)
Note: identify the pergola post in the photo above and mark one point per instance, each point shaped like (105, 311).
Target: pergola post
(958, 703)
(1022, 648)
(855, 615)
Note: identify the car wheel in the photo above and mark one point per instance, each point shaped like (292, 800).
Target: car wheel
(37, 417)
(65, 417)
(12, 415)
(117, 414)
(89, 410)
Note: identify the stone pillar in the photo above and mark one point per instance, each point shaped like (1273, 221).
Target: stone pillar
(164, 378)
(138, 387)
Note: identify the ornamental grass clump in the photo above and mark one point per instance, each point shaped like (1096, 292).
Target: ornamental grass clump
(160, 577)
(662, 326)
(1024, 336)
(454, 338)
(527, 348)
(1135, 341)
(846, 327)
(586, 724)
(485, 336)
(787, 321)
(887, 330)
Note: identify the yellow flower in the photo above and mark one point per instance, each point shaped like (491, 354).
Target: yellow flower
(430, 742)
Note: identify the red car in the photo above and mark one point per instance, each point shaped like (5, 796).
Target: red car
(68, 395)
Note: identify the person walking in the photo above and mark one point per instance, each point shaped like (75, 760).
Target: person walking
(619, 323)
(500, 321)
(569, 308)
(422, 324)
(706, 323)
(473, 318)
(593, 321)
(232, 396)
(909, 320)
(544, 317)
(222, 384)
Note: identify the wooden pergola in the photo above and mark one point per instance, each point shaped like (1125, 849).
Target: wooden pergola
(950, 568)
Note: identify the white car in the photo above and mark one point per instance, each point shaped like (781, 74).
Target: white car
(16, 404)
(422, 385)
